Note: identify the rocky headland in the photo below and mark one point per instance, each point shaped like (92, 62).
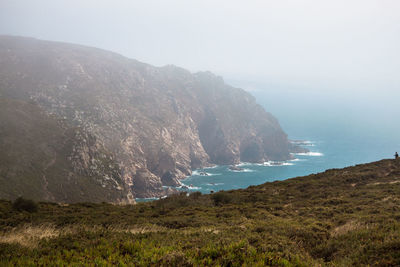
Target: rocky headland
(84, 124)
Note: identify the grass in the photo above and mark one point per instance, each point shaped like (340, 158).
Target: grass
(341, 217)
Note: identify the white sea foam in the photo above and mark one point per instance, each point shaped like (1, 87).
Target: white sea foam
(244, 164)
(211, 167)
(311, 154)
(303, 143)
(213, 184)
(190, 187)
(297, 159)
(198, 173)
(241, 164)
(250, 164)
(277, 163)
(242, 170)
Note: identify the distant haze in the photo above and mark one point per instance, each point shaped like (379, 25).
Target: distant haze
(313, 44)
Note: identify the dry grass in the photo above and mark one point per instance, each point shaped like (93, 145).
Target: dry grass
(201, 230)
(348, 227)
(389, 182)
(139, 229)
(391, 198)
(29, 235)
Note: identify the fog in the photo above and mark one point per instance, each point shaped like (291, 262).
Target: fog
(342, 52)
(314, 44)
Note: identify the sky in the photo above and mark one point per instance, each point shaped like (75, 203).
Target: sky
(317, 45)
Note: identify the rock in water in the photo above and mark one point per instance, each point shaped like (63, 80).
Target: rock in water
(235, 168)
(96, 126)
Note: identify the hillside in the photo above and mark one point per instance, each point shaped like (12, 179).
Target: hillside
(341, 217)
(34, 159)
(127, 126)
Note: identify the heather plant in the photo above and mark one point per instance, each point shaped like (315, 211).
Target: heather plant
(22, 204)
(342, 217)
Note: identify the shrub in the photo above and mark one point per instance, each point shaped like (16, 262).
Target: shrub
(221, 198)
(175, 258)
(22, 204)
(195, 195)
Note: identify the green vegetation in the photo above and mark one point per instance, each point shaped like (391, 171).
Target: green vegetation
(22, 204)
(341, 217)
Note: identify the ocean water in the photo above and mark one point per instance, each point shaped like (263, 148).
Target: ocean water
(325, 154)
(341, 131)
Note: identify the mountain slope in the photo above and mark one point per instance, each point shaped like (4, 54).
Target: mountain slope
(156, 123)
(341, 217)
(35, 151)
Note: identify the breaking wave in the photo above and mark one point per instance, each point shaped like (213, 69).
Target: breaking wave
(203, 173)
(269, 163)
(212, 167)
(190, 187)
(296, 159)
(277, 163)
(303, 143)
(311, 154)
(213, 184)
(243, 170)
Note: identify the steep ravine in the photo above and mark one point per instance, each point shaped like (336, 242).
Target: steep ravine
(132, 127)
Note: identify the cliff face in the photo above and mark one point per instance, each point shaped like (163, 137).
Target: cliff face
(45, 159)
(153, 125)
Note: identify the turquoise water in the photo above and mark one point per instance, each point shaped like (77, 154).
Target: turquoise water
(222, 178)
(344, 131)
(332, 153)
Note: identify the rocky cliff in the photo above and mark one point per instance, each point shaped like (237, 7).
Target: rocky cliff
(125, 127)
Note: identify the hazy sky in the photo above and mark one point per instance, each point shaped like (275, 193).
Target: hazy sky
(324, 45)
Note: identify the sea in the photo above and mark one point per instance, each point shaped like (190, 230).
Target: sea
(339, 131)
